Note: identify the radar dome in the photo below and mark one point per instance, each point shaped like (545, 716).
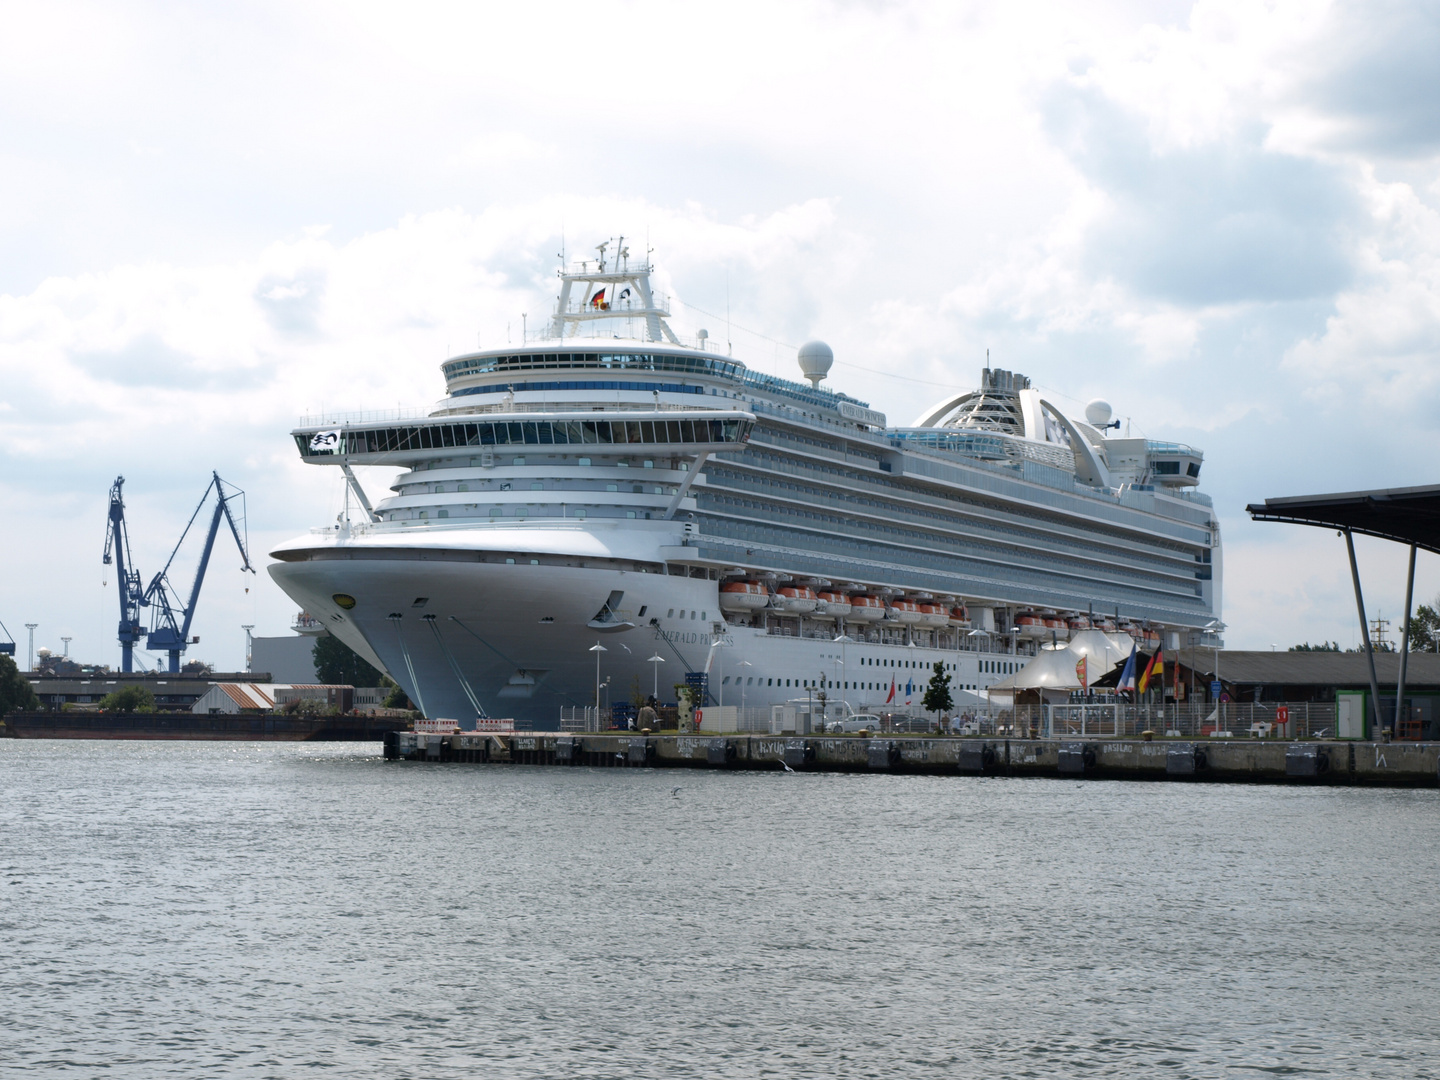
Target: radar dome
(1098, 412)
(43, 653)
(815, 360)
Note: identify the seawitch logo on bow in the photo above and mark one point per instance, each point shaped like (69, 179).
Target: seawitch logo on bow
(325, 442)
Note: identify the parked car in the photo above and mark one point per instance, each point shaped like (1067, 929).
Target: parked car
(852, 724)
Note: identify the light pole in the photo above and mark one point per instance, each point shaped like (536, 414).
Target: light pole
(842, 640)
(31, 627)
(656, 661)
(597, 649)
(249, 646)
(743, 664)
(66, 640)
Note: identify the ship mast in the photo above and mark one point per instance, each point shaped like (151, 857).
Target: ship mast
(612, 290)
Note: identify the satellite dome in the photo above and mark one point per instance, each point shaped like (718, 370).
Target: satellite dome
(815, 360)
(43, 653)
(1097, 412)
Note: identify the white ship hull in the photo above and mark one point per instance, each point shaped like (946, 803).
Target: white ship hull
(520, 635)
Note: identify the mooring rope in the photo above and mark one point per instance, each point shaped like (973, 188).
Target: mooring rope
(455, 667)
(410, 667)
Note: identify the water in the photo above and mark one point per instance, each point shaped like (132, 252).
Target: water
(188, 909)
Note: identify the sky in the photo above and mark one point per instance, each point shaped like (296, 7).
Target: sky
(1221, 217)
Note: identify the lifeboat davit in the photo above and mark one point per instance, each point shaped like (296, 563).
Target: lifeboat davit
(798, 599)
(1030, 625)
(904, 611)
(866, 609)
(832, 605)
(933, 615)
(743, 596)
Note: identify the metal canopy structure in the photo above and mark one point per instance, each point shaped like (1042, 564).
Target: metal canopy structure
(1403, 515)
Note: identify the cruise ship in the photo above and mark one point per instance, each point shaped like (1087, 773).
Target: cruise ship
(609, 510)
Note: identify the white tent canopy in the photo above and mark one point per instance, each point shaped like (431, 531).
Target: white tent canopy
(1053, 671)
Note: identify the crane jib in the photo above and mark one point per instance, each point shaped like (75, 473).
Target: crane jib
(170, 619)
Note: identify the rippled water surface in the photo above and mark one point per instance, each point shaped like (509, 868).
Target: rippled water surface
(190, 909)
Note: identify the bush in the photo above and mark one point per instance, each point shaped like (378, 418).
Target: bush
(129, 699)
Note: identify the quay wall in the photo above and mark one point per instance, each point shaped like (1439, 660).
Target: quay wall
(1217, 760)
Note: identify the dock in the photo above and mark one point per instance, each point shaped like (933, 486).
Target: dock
(1398, 764)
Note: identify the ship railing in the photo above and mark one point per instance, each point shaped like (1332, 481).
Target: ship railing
(372, 416)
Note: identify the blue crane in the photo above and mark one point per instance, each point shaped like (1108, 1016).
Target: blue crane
(169, 618)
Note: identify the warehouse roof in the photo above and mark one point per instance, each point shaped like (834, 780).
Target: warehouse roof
(1315, 668)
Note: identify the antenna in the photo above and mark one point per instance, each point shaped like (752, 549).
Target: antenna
(729, 349)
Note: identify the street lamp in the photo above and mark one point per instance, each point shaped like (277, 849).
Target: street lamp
(31, 627)
(656, 661)
(249, 646)
(743, 663)
(597, 649)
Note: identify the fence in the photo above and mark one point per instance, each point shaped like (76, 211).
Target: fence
(1303, 719)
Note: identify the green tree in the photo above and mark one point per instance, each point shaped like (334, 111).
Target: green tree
(129, 699)
(397, 698)
(1425, 628)
(937, 695)
(339, 665)
(1324, 646)
(16, 693)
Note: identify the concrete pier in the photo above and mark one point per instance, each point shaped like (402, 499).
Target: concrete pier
(1215, 760)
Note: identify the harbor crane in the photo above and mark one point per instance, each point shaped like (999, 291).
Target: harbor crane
(169, 628)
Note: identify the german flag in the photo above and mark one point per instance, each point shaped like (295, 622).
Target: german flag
(1156, 664)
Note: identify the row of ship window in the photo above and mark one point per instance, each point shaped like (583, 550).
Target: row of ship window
(701, 365)
(526, 433)
(535, 485)
(827, 547)
(801, 684)
(774, 463)
(874, 528)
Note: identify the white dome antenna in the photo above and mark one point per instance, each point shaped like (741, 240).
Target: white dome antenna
(815, 360)
(1098, 413)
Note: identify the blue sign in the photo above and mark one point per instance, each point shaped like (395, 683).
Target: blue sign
(1215, 688)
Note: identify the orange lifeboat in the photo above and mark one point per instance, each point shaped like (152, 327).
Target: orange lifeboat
(1076, 623)
(832, 604)
(903, 611)
(743, 596)
(933, 615)
(960, 617)
(866, 609)
(1029, 624)
(797, 599)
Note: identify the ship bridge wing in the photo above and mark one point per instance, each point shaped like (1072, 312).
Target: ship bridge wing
(683, 432)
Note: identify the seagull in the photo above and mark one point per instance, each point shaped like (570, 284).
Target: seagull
(674, 792)
(786, 767)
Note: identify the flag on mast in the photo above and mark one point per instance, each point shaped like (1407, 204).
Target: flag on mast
(891, 698)
(1157, 663)
(1127, 673)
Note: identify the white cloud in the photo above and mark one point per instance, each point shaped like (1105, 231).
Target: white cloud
(1217, 216)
